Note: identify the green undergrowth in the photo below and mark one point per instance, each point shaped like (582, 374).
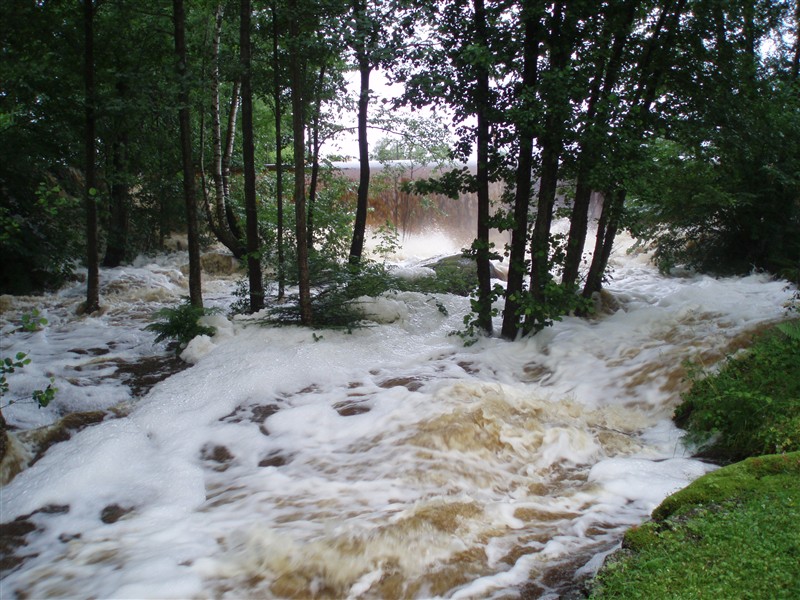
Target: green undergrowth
(336, 289)
(180, 324)
(734, 533)
(752, 405)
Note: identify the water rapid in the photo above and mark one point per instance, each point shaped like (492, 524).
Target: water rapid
(391, 462)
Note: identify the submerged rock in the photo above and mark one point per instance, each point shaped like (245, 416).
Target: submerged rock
(460, 273)
(113, 513)
(19, 450)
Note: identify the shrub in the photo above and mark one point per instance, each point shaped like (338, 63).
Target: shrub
(752, 405)
(181, 323)
(337, 285)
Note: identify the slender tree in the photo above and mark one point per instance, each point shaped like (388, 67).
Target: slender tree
(526, 132)
(375, 32)
(315, 144)
(277, 93)
(562, 25)
(608, 48)
(363, 48)
(92, 252)
(221, 219)
(248, 152)
(459, 74)
(297, 73)
(651, 68)
(482, 114)
(184, 118)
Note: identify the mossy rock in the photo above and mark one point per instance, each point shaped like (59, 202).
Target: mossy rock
(640, 536)
(731, 534)
(744, 477)
(456, 274)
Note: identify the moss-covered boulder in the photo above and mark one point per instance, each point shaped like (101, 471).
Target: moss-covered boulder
(734, 533)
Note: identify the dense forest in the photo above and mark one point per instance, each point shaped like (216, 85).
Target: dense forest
(123, 121)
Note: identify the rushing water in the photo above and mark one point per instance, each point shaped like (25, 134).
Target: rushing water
(392, 462)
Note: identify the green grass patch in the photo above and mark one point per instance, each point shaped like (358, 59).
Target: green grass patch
(752, 405)
(734, 533)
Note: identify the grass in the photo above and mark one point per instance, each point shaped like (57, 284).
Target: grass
(752, 406)
(734, 533)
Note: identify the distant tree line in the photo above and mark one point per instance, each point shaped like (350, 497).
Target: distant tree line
(122, 121)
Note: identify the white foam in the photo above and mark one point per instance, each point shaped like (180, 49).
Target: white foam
(337, 462)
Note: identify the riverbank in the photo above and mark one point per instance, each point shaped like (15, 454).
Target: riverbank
(734, 532)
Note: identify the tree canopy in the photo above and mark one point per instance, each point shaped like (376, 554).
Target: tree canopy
(682, 115)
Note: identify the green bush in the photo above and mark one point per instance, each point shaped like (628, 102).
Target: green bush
(181, 323)
(454, 274)
(337, 285)
(40, 237)
(752, 405)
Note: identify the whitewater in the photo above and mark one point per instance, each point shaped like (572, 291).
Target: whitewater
(389, 462)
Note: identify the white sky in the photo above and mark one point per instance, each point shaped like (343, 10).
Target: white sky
(347, 142)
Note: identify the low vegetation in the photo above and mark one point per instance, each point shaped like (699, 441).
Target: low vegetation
(752, 405)
(734, 533)
(11, 364)
(333, 301)
(180, 324)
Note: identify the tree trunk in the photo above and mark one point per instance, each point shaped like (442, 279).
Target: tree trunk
(540, 241)
(364, 69)
(118, 223)
(219, 218)
(276, 91)
(248, 156)
(523, 184)
(556, 98)
(297, 76)
(90, 198)
(605, 80)
(315, 149)
(184, 118)
(606, 232)
(230, 137)
(482, 248)
(650, 75)
(233, 221)
(211, 221)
